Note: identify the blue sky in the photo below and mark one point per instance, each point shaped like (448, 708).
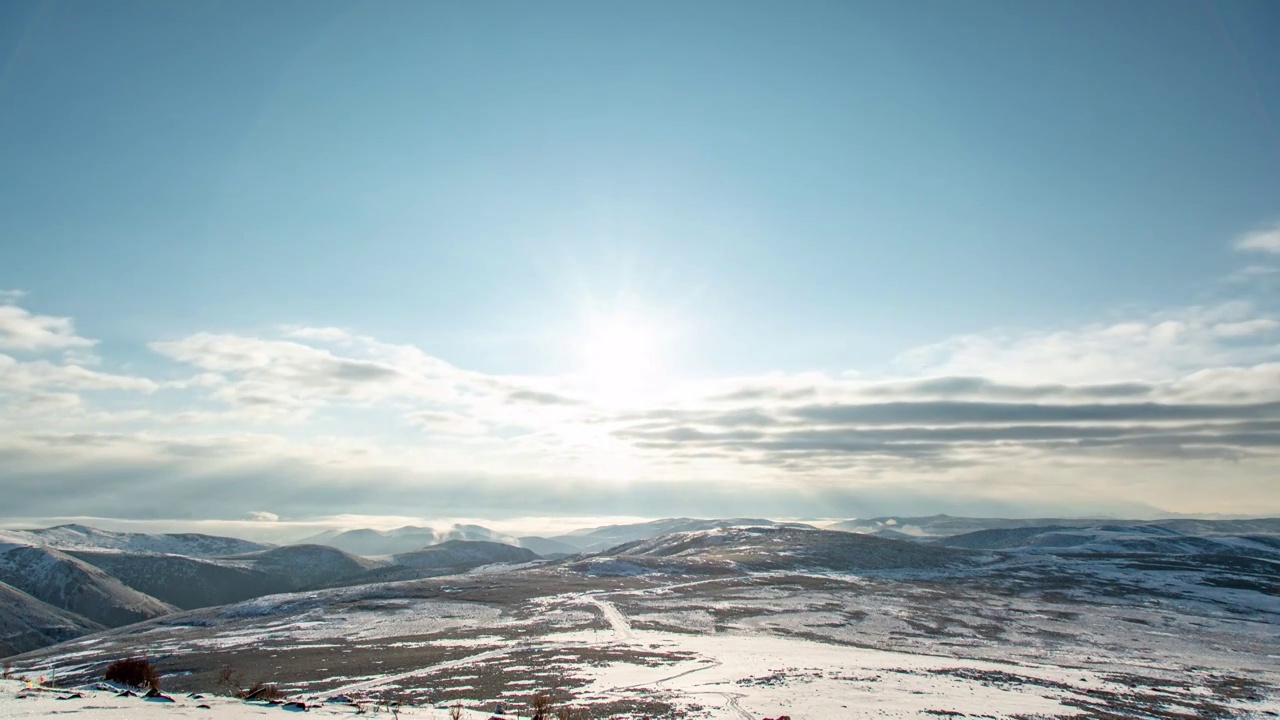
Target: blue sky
(858, 192)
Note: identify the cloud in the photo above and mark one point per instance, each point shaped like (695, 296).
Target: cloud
(1158, 346)
(444, 422)
(536, 397)
(171, 481)
(1138, 407)
(322, 334)
(31, 375)
(262, 516)
(1257, 271)
(282, 373)
(1246, 328)
(21, 330)
(1265, 240)
(9, 296)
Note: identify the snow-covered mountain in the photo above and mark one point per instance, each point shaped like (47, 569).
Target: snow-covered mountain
(740, 622)
(1142, 538)
(71, 584)
(366, 541)
(772, 548)
(948, 525)
(27, 623)
(453, 553)
(370, 542)
(476, 533)
(603, 538)
(83, 537)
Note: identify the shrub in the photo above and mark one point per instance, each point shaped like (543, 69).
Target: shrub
(540, 703)
(135, 672)
(229, 681)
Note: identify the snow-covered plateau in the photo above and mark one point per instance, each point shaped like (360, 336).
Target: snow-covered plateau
(737, 622)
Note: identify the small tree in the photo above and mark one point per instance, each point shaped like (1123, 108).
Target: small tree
(135, 672)
(455, 712)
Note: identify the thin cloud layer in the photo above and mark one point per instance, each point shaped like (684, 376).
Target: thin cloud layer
(1179, 409)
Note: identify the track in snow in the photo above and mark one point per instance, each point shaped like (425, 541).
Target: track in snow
(621, 626)
(622, 630)
(730, 698)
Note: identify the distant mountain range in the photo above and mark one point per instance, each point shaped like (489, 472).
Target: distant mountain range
(366, 541)
(83, 537)
(603, 538)
(62, 582)
(375, 543)
(936, 526)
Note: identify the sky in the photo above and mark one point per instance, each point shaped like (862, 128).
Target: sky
(284, 261)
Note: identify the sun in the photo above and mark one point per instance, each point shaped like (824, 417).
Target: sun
(621, 357)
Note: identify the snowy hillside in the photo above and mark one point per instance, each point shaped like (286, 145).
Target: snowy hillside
(27, 623)
(771, 548)
(748, 620)
(82, 537)
(1143, 538)
(73, 585)
(603, 538)
(937, 526)
(98, 701)
(454, 553)
(1041, 637)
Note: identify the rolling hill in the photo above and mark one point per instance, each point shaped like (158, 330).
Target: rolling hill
(70, 584)
(27, 623)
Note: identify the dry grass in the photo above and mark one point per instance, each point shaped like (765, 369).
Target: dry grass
(540, 703)
(262, 691)
(229, 681)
